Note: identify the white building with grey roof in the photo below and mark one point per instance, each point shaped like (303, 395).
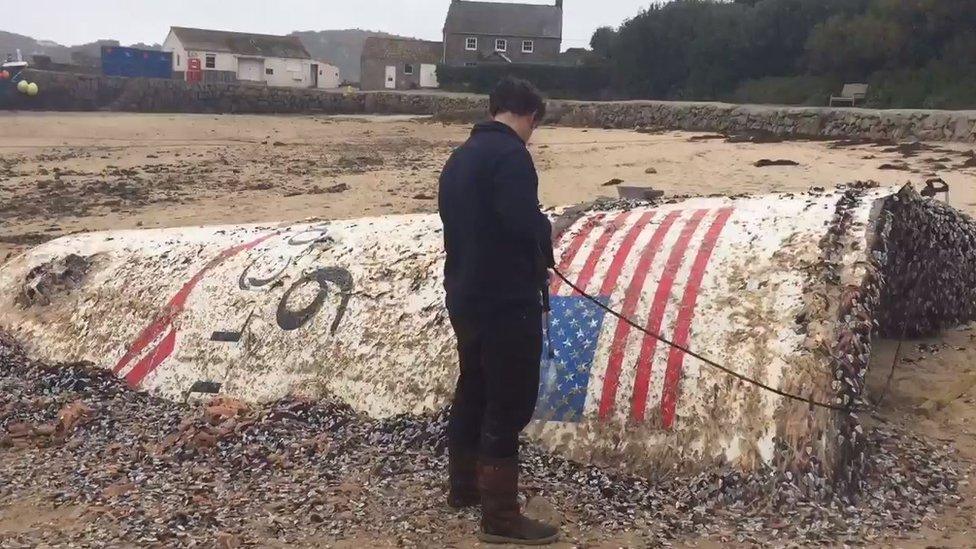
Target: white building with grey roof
(224, 56)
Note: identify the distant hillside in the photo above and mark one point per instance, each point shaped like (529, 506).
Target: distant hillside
(82, 54)
(11, 42)
(342, 48)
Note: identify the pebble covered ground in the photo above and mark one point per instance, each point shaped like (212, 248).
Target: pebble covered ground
(146, 472)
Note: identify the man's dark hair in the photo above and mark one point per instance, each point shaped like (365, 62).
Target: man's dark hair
(517, 96)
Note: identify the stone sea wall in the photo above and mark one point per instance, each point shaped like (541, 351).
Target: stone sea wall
(78, 92)
(63, 91)
(793, 122)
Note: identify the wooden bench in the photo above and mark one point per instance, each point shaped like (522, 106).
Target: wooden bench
(851, 94)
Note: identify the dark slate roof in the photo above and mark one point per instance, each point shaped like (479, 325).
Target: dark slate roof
(521, 20)
(403, 49)
(258, 45)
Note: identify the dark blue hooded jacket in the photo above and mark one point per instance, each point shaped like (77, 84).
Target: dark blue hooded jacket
(497, 239)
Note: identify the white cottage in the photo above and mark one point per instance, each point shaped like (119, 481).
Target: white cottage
(261, 58)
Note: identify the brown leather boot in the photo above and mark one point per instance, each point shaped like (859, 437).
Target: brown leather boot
(501, 518)
(462, 469)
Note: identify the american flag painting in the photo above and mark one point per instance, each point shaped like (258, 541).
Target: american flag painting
(649, 265)
(575, 324)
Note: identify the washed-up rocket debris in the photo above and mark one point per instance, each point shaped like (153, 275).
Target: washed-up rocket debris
(786, 289)
(133, 469)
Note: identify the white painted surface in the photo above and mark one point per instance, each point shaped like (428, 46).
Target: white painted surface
(225, 62)
(390, 350)
(173, 45)
(329, 77)
(251, 70)
(428, 76)
(390, 81)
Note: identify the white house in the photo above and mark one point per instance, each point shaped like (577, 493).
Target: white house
(234, 56)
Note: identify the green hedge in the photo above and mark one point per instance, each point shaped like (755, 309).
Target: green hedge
(787, 90)
(934, 87)
(556, 81)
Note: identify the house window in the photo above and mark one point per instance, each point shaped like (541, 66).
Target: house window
(211, 61)
(528, 46)
(501, 44)
(408, 69)
(471, 44)
(269, 72)
(177, 60)
(470, 64)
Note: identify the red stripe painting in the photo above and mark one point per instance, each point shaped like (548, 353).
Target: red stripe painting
(682, 329)
(172, 309)
(631, 298)
(656, 316)
(574, 247)
(152, 360)
(617, 266)
(601, 245)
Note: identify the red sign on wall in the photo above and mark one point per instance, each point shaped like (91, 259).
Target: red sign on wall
(194, 72)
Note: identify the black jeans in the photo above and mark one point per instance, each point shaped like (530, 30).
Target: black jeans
(500, 352)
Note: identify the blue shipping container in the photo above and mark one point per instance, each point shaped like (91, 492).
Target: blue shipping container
(118, 61)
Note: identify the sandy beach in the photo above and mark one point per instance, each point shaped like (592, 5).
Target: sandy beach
(66, 173)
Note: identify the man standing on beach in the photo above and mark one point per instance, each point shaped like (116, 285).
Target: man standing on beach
(499, 249)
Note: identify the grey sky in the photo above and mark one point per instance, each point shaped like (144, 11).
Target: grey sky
(73, 22)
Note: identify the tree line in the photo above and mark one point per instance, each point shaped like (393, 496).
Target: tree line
(913, 53)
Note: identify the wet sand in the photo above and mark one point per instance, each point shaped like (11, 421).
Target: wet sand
(63, 173)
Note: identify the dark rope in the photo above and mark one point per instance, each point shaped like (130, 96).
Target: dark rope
(922, 277)
(894, 365)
